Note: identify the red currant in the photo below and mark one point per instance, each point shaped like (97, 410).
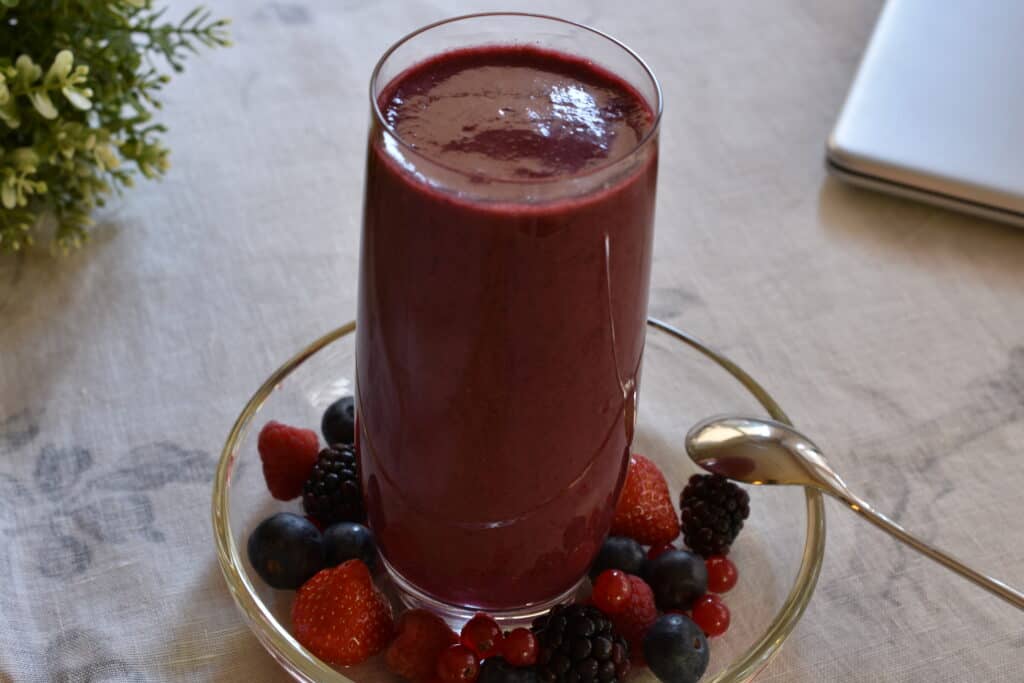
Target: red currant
(722, 575)
(481, 635)
(458, 664)
(657, 550)
(612, 591)
(520, 647)
(711, 614)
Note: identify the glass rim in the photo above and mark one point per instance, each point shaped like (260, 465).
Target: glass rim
(297, 660)
(650, 135)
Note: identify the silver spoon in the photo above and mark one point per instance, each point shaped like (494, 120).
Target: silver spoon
(756, 451)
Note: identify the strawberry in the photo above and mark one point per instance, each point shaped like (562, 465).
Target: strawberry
(340, 616)
(634, 620)
(288, 455)
(644, 511)
(420, 637)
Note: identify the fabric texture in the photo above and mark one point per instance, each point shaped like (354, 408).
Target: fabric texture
(892, 332)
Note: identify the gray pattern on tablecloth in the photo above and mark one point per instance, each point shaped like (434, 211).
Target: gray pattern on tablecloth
(72, 508)
(17, 430)
(77, 656)
(62, 513)
(284, 12)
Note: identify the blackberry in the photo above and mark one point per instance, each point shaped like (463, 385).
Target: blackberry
(578, 644)
(332, 493)
(712, 513)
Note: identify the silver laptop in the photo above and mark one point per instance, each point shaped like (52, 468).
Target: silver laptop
(936, 111)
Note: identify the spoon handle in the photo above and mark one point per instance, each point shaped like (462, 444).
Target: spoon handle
(994, 586)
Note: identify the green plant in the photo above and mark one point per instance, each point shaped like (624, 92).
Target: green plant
(78, 89)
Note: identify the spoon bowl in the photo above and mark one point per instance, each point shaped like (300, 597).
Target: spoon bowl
(760, 451)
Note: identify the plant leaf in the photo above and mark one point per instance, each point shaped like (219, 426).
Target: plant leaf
(28, 71)
(25, 159)
(192, 15)
(8, 196)
(44, 105)
(77, 98)
(61, 67)
(9, 114)
(105, 155)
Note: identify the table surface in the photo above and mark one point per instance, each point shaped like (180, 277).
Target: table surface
(890, 331)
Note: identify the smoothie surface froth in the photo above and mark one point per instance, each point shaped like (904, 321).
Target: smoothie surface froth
(515, 113)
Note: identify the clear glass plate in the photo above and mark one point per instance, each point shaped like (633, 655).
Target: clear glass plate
(778, 553)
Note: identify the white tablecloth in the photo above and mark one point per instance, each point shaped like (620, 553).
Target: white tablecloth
(892, 332)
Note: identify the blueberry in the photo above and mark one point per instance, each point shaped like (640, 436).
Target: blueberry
(676, 649)
(678, 578)
(497, 670)
(619, 552)
(339, 421)
(286, 550)
(349, 541)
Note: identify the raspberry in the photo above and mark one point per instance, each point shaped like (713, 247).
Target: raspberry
(711, 614)
(633, 621)
(420, 638)
(458, 664)
(712, 513)
(579, 644)
(333, 493)
(288, 455)
(481, 635)
(644, 511)
(519, 648)
(612, 591)
(722, 574)
(340, 616)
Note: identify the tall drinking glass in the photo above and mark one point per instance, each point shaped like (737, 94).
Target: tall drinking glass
(506, 256)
